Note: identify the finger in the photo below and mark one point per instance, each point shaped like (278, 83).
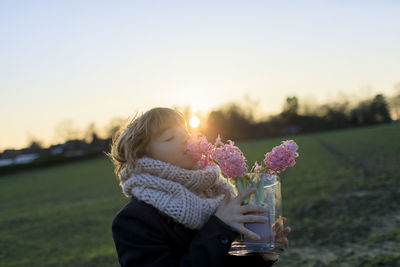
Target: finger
(287, 231)
(253, 219)
(279, 236)
(283, 234)
(242, 196)
(252, 209)
(246, 232)
(279, 223)
(281, 220)
(286, 243)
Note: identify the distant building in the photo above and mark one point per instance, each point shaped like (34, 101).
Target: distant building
(25, 158)
(56, 150)
(5, 162)
(20, 159)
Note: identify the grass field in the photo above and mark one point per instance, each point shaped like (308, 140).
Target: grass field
(342, 200)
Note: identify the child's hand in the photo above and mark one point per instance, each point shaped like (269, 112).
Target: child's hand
(281, 237)
(231, 212)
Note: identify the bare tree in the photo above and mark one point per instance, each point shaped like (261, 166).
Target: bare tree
(66, 130)
(113, 126)
(34, 143)
(90, 133)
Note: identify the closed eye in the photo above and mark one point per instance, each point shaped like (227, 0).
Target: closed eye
(169, 139)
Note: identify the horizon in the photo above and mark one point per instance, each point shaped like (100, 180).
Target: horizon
(195, 121)
(94, 61)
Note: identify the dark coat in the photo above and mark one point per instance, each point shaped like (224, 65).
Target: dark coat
(145, 237)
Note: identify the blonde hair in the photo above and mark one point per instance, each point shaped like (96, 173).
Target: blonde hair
(131, 141)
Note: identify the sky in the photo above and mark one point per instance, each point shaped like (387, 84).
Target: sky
(92, 61)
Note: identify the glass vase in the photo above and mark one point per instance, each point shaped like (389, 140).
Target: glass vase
(268, 195)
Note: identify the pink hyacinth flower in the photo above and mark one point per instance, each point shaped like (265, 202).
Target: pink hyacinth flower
(200, 150)
(230, 158)
(257, 168)
(281, 157)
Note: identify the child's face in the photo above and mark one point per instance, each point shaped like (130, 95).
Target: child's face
(170, 146)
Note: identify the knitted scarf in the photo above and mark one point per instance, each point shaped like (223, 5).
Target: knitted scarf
(189, 197)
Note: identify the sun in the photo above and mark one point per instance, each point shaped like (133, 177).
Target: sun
(194, 122)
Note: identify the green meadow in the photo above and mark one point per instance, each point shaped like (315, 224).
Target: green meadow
(342, 201)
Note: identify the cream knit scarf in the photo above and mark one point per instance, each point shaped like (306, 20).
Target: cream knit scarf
(189, 197)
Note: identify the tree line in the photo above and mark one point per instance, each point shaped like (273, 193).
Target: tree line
(236, 122)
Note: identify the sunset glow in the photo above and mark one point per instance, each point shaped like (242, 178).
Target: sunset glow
(194, 122)
(200, 54)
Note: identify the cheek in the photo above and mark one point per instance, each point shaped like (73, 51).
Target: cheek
(157, 151)
(169, 153)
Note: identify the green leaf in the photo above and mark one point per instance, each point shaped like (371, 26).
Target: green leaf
(260, 191)
(242, 184)
(239, 185)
